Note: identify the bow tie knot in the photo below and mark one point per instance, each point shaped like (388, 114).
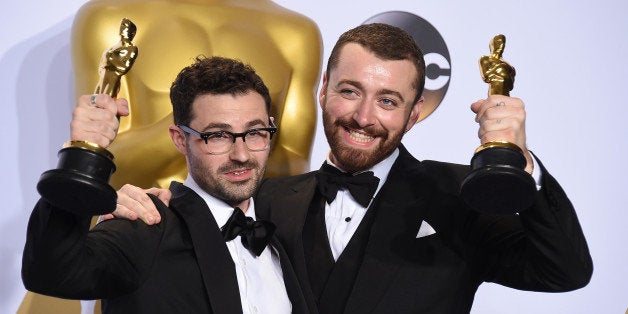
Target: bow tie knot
(255, 235)
(361, 186)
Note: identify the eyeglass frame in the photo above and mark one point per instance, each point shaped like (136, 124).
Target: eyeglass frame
(205, 135)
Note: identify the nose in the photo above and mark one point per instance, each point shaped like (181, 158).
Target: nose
(364, 114)
(239, 151)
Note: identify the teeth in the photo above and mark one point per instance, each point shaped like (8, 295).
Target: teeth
(238, 172)
(359, 137)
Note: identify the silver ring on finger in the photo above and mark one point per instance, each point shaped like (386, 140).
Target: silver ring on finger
(92, 99)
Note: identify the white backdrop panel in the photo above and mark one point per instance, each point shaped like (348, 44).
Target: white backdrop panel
(571, 64)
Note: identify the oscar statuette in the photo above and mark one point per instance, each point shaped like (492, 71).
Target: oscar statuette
(498, 183)
(80, 183)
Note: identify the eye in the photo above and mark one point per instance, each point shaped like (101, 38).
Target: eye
(253, 133)
(387, 102)
(256, 134)
(348, 93)
(217, 136)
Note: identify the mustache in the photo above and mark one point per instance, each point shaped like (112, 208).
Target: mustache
(235, 165)
(369, 130)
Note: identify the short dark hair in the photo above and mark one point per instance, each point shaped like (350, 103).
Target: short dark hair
(216, 76)
(386, 42)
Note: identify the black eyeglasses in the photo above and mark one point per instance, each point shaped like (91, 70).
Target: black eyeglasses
(220, 142)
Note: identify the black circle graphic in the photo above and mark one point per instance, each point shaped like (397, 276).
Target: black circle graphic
(437, 59)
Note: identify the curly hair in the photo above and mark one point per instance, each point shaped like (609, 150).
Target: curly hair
(213, 75)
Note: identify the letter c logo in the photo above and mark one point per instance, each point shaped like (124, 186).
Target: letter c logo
(441, 80)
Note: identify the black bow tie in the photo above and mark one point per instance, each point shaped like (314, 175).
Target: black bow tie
(361, 186)
(255, 234)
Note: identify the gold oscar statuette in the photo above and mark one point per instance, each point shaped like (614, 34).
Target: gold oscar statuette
(498, 183)
(80, 183)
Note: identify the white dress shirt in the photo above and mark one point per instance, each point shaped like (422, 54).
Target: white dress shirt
(343, 215)
(260, 279)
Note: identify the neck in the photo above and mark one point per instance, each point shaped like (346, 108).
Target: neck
(243, 205)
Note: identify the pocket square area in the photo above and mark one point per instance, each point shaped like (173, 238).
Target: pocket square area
(425, 230)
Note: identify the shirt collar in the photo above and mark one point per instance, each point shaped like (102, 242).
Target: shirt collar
(219, 209)
(380, 170)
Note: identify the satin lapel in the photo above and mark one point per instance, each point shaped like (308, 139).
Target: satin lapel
(213, 257)
(290, 280)
(399, 208)
(288, 211)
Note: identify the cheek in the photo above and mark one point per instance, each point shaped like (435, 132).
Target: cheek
(339, 107)
(392, 121)
(261, 158)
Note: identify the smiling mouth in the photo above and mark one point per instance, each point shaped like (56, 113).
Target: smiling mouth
(237, 173)
(359, 137)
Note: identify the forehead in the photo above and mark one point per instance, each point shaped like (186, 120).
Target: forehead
(233, 110)
(356, 63)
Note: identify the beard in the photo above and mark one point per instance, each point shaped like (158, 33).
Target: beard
(352, 159)
(228, 191)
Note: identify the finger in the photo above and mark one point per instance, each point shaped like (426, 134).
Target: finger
(103, 101)
(122, 107)
(475, 107)
(498, 131)
(84, 128)
(136, 200)
(494, 103)
(480, 107)
(102, 218)
(92, 123)
(163, 194)
(501, 111)
(509, 127)
(123, 212)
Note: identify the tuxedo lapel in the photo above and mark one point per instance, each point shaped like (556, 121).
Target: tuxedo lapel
(289, 208)
(399, 207)
(217, 268)
(293, 288)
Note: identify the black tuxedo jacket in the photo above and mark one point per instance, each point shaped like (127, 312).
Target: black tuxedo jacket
(181, 265)
(541, 249)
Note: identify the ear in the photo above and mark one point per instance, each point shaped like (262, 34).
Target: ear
(415, 112)
(323, 91)
(178, 138)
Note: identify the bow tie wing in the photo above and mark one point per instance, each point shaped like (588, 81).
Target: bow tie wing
(255, 234)
(362, 186)
(257, 237)
(234, 225)
(328, 186)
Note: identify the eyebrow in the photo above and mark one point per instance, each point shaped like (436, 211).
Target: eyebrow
(379, 92)
(225, 126)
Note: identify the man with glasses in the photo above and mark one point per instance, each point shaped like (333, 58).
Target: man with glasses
(377, 231)
(208, 254)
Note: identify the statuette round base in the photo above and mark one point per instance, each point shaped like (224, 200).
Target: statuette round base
(80, 182)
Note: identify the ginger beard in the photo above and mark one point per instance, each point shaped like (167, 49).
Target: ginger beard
(353, 159)
(214, 181)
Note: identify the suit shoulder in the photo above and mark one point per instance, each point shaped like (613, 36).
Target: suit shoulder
(271, 185)
(279, 181)
(447, 175)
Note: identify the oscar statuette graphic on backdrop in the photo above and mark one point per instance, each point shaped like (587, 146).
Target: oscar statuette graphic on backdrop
(498, 183)
(80, 183)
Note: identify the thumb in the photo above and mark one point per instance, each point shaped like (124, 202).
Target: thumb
(122, 107)
(475, 107)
